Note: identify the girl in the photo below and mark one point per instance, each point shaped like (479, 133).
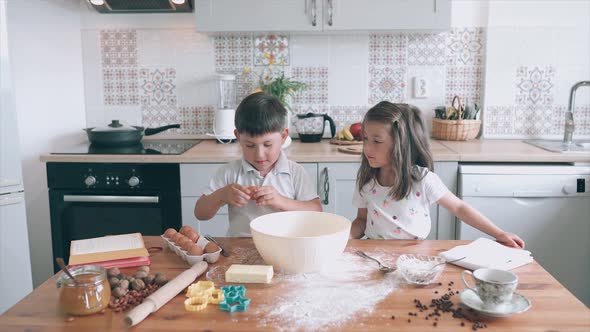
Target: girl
(395, 185)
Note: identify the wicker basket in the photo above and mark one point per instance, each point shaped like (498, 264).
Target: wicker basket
(455, 130)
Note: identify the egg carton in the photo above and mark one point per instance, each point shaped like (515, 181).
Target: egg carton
(211, 257)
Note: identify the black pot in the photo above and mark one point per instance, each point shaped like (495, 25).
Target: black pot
(315, 134)
(118, 135)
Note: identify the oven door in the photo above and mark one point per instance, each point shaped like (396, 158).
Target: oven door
(81, 214)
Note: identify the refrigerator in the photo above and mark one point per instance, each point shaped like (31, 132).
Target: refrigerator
(15, 260)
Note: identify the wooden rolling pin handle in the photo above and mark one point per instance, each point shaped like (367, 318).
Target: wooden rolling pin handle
(155, 301)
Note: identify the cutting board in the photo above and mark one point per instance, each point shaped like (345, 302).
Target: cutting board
(352, 149)
(345, 142)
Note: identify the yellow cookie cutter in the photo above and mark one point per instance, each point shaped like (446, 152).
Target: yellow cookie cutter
(216, 297)
(201, 288)
(196, 303)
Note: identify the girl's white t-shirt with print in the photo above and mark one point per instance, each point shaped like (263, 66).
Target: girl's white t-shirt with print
(408, 218)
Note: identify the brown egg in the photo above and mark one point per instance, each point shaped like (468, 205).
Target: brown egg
(211, 247)
(193, 235)
(195, 250)
(186, 245)
(185, 229)
(169, 232)
(180, 239)
(175, 237)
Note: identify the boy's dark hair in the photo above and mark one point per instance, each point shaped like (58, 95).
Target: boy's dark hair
(259, 114)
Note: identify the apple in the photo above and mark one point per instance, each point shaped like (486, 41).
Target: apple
(356, 129)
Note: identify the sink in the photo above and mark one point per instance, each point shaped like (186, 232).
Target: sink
(559, 146)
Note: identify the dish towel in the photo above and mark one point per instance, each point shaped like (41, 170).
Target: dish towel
(488, 253)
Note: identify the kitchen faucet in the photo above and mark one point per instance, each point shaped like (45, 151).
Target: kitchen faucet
(569, 114)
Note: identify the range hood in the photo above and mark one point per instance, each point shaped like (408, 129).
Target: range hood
(142, 6)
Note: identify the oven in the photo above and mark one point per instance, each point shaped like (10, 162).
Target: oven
(89, 200)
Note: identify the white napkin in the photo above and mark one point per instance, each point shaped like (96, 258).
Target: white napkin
(488, 253)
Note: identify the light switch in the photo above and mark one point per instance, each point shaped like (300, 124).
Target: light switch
(421, 88)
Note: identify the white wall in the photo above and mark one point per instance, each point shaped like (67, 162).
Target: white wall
(45, 51)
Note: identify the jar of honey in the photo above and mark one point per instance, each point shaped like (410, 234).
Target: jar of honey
(91, 293)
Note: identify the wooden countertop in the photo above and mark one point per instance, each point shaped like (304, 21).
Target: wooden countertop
(553, 307)
(209, 151)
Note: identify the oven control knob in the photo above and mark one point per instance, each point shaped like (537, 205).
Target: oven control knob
(133, 181)
(90, 181)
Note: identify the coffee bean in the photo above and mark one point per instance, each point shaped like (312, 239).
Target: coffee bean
(434, 324)
(392, 317)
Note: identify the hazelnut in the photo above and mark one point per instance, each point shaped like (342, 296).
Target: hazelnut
(140, 275)
(114, 282)
(144, 268)
(124, 284)
(149, 279)
(113, 272)
(119, 292)
(160, 279)
(137, 284)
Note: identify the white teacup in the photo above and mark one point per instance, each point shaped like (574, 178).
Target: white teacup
(494, 287)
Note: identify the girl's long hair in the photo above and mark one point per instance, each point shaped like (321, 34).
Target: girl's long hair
(411, 147)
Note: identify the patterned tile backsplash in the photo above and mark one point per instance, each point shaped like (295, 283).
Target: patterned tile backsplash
(157, 91)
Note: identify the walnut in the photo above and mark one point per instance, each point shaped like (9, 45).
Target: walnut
(144, 268)
(137, 284)
(124, 284)
(119, 292)
(114, 282)
(140, 275)
(149, 279)
(113, 272)
(160, 279)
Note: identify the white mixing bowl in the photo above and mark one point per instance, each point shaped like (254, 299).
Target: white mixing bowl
(300, 241)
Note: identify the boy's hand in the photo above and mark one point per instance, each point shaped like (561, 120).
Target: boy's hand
(268, 196)
(510, 240)
(236, 195)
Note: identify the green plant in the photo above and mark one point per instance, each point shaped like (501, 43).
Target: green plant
(274, 82)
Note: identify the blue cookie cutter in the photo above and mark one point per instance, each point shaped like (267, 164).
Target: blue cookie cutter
(234, 299)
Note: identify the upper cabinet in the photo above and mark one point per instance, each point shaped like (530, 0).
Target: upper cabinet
(321, 15)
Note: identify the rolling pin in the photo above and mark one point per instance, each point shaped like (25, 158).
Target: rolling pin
(160, 297)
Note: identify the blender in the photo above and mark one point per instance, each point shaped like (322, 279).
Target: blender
(223, 128)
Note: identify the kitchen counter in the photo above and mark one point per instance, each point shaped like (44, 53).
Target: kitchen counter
(209, 151)
(553, 307)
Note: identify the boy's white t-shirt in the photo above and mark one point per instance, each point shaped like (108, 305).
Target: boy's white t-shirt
(287, 177)
(408, 218)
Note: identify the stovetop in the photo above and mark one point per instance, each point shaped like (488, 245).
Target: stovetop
(152, 147)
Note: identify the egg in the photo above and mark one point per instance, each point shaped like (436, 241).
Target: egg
(180, 239)
(193, 236)
(186, 244)
(175, 237)
(211, 247)
(185, 229)
(169, 232)
(195, 250)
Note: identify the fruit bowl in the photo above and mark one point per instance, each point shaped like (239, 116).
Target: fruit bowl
(420, 269)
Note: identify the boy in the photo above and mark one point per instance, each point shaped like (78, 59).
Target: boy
(264, 180)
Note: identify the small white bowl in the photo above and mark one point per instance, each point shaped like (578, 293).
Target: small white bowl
(417, 269)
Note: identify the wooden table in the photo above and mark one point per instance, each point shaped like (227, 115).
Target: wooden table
(553, 307)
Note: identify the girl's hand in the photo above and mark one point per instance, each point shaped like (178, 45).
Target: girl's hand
(268, 196)
(236, 195)
(510, 240)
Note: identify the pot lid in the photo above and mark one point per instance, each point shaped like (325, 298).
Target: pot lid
(115, 125)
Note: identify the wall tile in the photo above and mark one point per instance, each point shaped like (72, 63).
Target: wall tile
(159, 115)
(388, 49)
(534, 86)
(498, 120)
(118, 48)
(347, 115)
(316, 79)
(233, 50)
(426, 49)
(196, 120)
(387, 83)
(465, 47)
(464, 81)
(120, 86)
(271, 46)
(158, 86)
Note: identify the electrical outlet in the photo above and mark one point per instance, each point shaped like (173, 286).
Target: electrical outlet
(421, 88)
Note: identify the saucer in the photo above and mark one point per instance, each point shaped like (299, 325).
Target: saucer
(517, 305)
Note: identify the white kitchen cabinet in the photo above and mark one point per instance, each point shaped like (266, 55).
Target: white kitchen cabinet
(259, 15)
(377, 15)
(336, 186)
(194, 179)
(447, 172)
(321, 15)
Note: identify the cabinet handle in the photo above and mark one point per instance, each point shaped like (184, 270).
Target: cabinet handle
(326, 187)
(330, 11)
(313, 13)
(111, 199)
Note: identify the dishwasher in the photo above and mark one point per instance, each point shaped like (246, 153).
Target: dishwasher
(548, 206)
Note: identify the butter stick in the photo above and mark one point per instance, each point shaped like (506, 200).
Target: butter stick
(249, 273)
